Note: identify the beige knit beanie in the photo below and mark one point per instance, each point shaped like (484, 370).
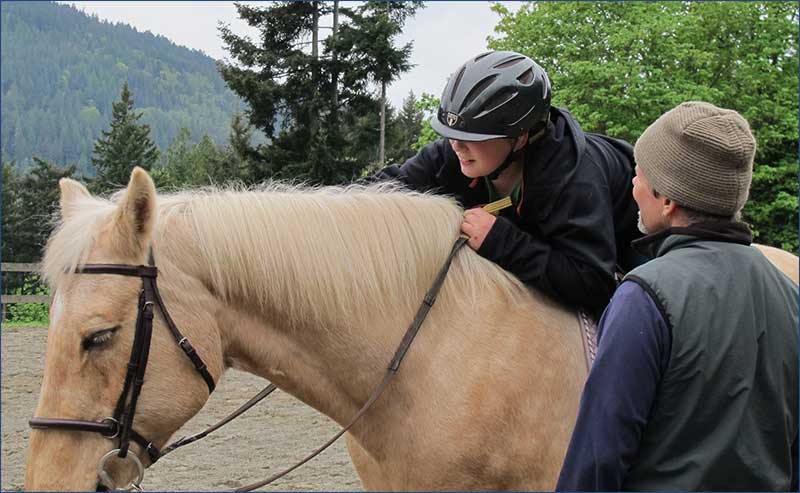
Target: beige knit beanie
(700, 156)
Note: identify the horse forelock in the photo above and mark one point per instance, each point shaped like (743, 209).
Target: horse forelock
(328, 255)
(72, 239)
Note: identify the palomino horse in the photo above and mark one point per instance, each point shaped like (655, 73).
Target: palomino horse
(311, 289)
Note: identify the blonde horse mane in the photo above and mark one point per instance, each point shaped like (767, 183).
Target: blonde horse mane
(328, 253)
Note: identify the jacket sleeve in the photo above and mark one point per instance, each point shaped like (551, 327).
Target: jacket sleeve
(571, 255)
(632, 356)
(795, 484)
(419, 172)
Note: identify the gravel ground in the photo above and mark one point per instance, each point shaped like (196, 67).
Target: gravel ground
(275, 434)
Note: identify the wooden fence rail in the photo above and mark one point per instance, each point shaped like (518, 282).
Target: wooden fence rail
(14, 267)
(26, 298)
(6, 299)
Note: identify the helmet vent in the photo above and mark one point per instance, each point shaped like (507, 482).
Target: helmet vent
(477, 90)
(526, 77)
(523, 117)
(457, 82)
(482, 55)
(509, 62)
(497, 101)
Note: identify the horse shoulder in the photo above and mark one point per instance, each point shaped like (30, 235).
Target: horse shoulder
(783, 260)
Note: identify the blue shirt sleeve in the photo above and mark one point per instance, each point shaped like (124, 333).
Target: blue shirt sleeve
(633, 353)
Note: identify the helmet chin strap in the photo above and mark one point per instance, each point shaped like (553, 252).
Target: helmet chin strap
(505, 164)
(512, 155)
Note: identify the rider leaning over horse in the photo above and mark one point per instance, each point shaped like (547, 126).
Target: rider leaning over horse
(572, 216)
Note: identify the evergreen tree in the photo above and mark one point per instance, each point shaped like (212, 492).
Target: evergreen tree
(407, 130)
(12, 214)
(282, 75)
(62, 69)
(241, 160)
(289, 76)
(186, 164)
(366, 49)
(30, 202)
(126, 145)
(32, 206)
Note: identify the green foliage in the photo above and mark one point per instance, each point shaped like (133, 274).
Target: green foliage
(365, 46)
(126, 145)
(30, 204)
(428, 105)
(28, 313)
(619, 66)
(12, 215)
(188, 164)
(320, 90)
(62, 69)
(404, 130)
(365, 51)
(241, 161)
(772, 207)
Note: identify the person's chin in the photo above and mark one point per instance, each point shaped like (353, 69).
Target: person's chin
(642, 228)
(469, 170)
(649, 230)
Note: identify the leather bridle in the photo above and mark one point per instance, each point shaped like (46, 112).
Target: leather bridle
(120, 425)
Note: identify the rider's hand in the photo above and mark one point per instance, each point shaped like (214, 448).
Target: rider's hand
(476, 225)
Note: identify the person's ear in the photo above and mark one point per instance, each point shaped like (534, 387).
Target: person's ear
(668, 207)
(521, 141)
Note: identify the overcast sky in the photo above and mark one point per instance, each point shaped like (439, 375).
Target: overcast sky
(444, 34)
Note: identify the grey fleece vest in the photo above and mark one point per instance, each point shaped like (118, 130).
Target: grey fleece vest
(726, 410)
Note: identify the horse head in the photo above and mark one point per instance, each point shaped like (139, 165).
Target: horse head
(93, 320)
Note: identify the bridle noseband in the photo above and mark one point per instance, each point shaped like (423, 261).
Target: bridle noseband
(120, 425)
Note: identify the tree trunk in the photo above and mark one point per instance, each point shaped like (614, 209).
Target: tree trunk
(313, 112)
(335, 73)
(315, 32)
(381, 152)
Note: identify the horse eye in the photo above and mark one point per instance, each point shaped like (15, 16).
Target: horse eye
(99, 338)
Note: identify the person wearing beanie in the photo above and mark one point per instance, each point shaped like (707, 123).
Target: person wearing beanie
(695, 385)
(572, 218)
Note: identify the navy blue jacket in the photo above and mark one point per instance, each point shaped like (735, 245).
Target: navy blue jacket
(575, 217)
(633, 353)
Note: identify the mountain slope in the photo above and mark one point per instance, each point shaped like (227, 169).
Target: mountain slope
(61, 70)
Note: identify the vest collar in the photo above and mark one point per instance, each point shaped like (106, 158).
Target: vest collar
(657, 244)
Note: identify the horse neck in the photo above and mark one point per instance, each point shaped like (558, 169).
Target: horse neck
(330, 358)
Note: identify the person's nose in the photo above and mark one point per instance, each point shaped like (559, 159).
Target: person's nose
(458, 145)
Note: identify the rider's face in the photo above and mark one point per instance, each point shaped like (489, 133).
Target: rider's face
(481, 158)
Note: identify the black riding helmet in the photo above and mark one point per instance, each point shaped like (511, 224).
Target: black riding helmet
(498, 94)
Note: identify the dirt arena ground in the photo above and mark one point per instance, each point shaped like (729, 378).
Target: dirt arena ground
(266, 439)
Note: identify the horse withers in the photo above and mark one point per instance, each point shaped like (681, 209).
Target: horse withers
(312, 289)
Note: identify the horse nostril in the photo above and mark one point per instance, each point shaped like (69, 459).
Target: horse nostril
(101, 487)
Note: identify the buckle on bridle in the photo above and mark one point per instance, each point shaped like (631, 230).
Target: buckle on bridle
(116, 428)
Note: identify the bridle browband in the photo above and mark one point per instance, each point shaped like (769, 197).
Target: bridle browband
(120, 425)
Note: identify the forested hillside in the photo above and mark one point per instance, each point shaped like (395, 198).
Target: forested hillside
(62, 69)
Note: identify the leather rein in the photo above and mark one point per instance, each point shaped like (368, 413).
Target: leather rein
(120, 425)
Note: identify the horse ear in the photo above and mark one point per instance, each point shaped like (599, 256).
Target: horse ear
(71, 192)
(135, 216)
